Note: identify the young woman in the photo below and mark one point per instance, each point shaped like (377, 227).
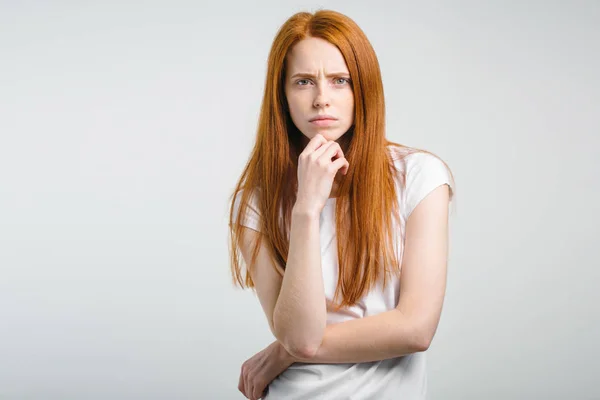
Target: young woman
(343, 233)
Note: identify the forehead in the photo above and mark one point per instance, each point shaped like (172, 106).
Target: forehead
(312, 54)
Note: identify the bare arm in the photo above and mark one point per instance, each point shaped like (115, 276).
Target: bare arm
(300, 314)
(411, 326)
(378, 337)
(294, 304)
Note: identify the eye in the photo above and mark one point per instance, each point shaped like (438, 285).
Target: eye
(301, 80)
(347, 80)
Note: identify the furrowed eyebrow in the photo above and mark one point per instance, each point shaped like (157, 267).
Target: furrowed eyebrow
(309, 75)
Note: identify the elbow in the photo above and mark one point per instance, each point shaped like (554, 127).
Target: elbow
(299, 347)
(422, 340)
(418, 331)
(305, 352)
(422, 344)
(299, 344)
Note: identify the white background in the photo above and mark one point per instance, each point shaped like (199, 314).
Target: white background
(124, 126)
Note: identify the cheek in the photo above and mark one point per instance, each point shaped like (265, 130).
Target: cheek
(295, 106)
(349, 105)
(293, 109)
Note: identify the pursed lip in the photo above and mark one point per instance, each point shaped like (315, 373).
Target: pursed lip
(322, 117)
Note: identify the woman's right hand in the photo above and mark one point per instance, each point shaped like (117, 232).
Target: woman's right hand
(318, 164)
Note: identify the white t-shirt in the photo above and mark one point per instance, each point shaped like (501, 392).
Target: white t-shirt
(396, 378)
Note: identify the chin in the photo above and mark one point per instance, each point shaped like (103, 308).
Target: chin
(328, 134)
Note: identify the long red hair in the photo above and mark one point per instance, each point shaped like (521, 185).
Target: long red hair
(367, 201)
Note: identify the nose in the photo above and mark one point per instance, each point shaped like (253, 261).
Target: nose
(322, 99)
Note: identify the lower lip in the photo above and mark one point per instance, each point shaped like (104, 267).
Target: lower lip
(323, 122)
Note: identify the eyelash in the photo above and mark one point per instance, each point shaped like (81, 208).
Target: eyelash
(300, 80)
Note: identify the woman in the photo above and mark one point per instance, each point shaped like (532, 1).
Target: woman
(330, 218)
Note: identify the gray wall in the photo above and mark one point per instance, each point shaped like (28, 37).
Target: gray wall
(123, 127)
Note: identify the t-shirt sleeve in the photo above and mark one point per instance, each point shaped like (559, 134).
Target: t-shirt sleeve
(251, 219)
(424, 173)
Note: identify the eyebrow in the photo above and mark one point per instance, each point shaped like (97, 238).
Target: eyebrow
(309, 75)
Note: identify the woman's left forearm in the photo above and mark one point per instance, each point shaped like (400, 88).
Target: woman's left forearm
(386, 335)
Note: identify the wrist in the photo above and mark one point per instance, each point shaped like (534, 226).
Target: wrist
(306, 212)
(283, 354)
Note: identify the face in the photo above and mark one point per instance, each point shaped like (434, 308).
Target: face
(317, 84)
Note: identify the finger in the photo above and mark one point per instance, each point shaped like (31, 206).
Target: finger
(257, 391)
(341, 164)
(314, 144)
(332, 152)
(325, 149)
(248, 386)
